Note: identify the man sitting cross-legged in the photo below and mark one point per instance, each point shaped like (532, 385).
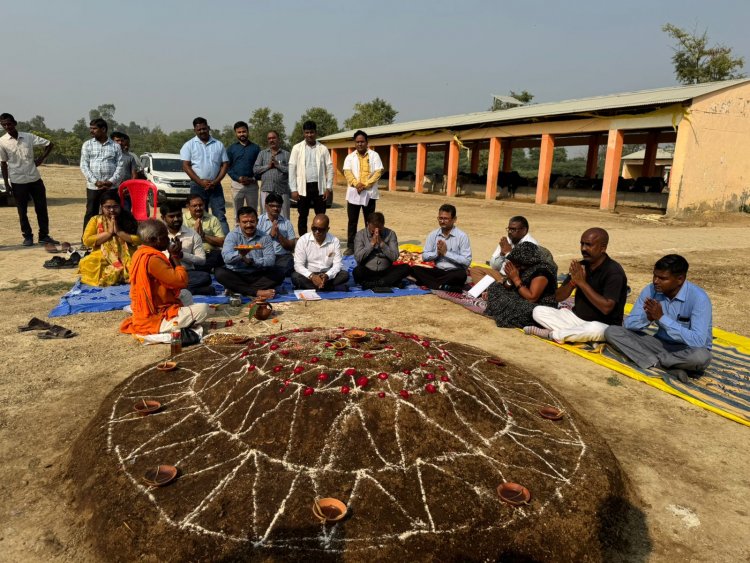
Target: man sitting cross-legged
(155, 286)
(317, 258)
(375, 249)
(450, 249)
(601, 291)
(249, 259)
(281, 231)
(682, 313)
(208, 228)
(190, 248)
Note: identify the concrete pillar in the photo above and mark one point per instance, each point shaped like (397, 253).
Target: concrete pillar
(475, 158)
(338, 163)
(421, 164)
(393, 168)
(453, 156)
(493, 164)
(546, 153)
(507, 150)
(649, 158)
(611, 169)
(592, 159)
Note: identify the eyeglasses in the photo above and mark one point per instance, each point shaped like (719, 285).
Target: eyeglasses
(319, 229)
(110, 207)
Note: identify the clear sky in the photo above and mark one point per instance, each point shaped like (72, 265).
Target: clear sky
(164, 62)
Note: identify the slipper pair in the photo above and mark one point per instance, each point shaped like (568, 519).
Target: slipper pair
(58, 262)
(52, 247)
(50, 331)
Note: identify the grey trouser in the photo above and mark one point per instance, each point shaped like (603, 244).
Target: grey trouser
(245, 196)
(648, 351)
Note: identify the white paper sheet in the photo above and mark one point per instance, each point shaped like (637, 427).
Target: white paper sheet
(307, 295)
(480, 286)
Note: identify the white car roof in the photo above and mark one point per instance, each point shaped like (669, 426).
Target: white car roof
(163, 155)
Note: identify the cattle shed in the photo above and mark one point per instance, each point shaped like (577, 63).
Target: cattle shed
(707, 124)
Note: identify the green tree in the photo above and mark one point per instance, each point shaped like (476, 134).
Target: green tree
(695, 62)
(324, 119)
(524, 97)
(371, 114)
(107, 113)
(81, 129)
(261, 121)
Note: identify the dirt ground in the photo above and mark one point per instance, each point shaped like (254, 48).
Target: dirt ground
(687, 467)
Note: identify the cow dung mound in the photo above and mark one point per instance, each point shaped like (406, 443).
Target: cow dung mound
(413, 435)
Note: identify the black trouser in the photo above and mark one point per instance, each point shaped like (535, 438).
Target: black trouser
(352, 212)
(435, 278)
(199, 283)
(301, 282)
(284, 264)
(248, 283)
(93, 202)
(390, 277)
(37, 192)
(314, 199)
(213, 260)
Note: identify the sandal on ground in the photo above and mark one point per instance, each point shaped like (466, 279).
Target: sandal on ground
(55, 263)
(35, 324)
(56, 331)
(51, 248)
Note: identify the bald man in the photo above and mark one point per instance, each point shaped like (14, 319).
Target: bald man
(601, 291)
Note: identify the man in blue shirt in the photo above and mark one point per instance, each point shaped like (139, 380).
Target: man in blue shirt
(205, 160)
(281, 231)
(682, 314)
(242, 156)
(449, 248)
(249, 259)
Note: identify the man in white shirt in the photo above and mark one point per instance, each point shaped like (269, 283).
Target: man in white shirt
(22, 179)
(362, 169)
(310, 175)
(191, 249)
(317, 258)
(517, 232)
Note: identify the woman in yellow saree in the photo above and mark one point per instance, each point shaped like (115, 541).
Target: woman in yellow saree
(113, 235)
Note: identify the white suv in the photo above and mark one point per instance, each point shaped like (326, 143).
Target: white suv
(165, 171)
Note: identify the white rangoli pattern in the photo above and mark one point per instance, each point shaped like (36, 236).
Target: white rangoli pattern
(482, 420)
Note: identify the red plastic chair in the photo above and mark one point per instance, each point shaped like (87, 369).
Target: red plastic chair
(142, 194)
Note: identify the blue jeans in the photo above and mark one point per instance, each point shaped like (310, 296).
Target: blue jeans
(214, 201)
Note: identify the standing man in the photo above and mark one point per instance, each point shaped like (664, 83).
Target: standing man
(131, 164)
(101, 164)
(205, 160)
(189, 250)
(362, 169)
(681, 312)
(601, 291)
(310, 175)
(22, 178)
(449, 247)
(208, 228)
(272, 168)
(281, 231)
(242, 155)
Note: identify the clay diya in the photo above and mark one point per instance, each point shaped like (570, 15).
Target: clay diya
(240, 339)
(514, 494)
(167, 366)
(160, 475)
(551, 413)
(355, 335)
(340, 344)
(329, 510)
(146, 406)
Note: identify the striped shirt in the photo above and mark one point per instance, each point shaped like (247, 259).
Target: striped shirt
(274, 179)
(101, 162)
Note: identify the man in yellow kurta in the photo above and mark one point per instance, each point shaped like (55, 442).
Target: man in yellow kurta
(155, 285)
(362, 169)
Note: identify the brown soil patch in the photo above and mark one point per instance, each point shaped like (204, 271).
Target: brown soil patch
(413, 435)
